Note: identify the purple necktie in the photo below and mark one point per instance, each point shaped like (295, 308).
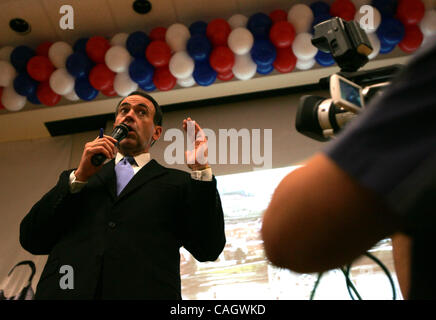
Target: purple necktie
(124, 172)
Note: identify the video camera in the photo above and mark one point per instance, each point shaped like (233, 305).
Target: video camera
(321, 118)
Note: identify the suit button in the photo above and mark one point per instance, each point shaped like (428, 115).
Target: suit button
(111, 224)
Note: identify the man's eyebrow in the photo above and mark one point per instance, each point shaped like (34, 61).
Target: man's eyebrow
(143, 105)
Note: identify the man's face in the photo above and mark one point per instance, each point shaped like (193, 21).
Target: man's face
(137, 112)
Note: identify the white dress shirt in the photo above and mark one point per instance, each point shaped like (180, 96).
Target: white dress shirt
(141, 160)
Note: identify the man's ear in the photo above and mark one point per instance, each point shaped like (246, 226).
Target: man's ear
(157, 133)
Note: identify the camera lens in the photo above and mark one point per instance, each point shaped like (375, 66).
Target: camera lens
(142, 6)
(20, 26)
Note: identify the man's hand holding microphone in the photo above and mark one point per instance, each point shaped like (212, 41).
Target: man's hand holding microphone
(97, 151)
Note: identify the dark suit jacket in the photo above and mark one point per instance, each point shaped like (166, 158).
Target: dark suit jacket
(131, 241)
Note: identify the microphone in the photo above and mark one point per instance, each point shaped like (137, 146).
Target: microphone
(119, 133)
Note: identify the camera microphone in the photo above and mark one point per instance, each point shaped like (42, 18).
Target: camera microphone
(119, 133)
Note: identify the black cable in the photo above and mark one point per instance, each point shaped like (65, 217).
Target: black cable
(312, 294)
(349, 283)
(386, 271)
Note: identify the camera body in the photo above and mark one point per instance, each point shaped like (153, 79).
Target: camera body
(321, 118)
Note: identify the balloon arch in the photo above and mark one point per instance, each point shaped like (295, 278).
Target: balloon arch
(239, 47)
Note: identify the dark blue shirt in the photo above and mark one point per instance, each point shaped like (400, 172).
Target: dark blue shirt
(391, 149)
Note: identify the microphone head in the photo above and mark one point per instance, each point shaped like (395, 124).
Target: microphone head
(120, 131)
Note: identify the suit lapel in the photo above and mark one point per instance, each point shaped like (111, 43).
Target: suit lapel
(107, 177)
(151, 170)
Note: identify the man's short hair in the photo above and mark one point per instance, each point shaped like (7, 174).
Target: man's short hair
(158, 115)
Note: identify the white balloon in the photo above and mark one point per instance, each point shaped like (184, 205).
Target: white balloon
(72, 96)
(5, 53)
(118, 59)
(62, 82)
(119, 39)
(303, 47)
(123, 84)
(177, 36)
(428, 39)
(187, 82)
(305, 64)
(301, 17)
(12, 100)
(237, 21)
(375, 44)
(7, 73)
(59, 52)
(428, 23)
(181, 65)
(369, 18)
(240, 41)
(244, 67)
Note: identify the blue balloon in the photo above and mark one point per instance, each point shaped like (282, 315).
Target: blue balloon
(24, 85)
(198, 27)
(386, 48)
(199, 47)
(80, 45)
(20, 56)
(136, 44)
(265, 69)
(33, 98)
(259, 24)
(79, 65)
(387, 8)
(263, 52)
(320, 8)
(85, 90)
(324, 59)
(141, 71)
(147, 86)
(203, 74)
(391, 31)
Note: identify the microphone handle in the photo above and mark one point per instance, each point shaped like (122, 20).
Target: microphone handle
(98, 159)
(119, 133)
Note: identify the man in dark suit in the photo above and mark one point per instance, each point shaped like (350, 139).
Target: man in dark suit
(122, 242)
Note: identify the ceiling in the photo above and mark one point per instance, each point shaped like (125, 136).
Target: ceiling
(108, 17)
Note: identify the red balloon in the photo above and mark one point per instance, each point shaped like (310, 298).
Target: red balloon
(278, 15)
(412, 40)
(163, 79)
(42, 49)
(96, 48)
(218, 31)
(282, 34)
(40, 68)
(46, 95)
(225, 76)
(1, 104)
(285, 60)
(222, 59)
(158, 53)
(344, 9)
(109, 92)
(101, 77)
(410, 11)
(158, 33)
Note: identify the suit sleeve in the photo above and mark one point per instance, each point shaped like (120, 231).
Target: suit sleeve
(49, 218)
(203, 220)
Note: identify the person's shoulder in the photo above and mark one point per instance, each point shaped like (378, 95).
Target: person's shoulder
(173, 173)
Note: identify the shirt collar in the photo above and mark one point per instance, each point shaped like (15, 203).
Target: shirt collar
(141, 159)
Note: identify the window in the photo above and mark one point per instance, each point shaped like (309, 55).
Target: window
(243, 273)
